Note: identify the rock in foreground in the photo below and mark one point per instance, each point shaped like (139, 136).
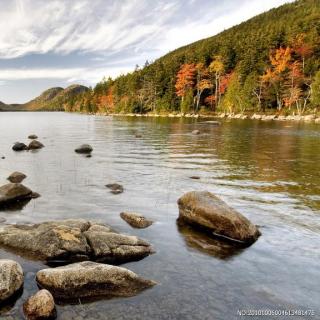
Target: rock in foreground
(85, 149)
(35, 144)
(206, 211)
(14, 192)
(19, 146)
(136, 220)
(11, 278)
(90, 279)
(40, 306)
(16, 177)
(73, 240)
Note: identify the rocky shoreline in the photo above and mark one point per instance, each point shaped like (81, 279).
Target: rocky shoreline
(310, 118)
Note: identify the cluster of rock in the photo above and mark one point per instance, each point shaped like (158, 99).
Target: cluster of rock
(33, 145)
(68, 241)
(79, 280)
(65, 242)
(265, 117)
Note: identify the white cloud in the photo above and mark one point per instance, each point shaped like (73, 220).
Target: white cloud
(60, 26)
(91, 75)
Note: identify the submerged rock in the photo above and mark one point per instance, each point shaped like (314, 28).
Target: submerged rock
(90, 279)
(19, 146)
(136, 220)
(14, 192)
(195, 132)
(16, 177)
(206, 211)
(35, 144)
(195, 177)
(85, 149)
(40, 306)
(32, 136)
(11, 278)
(73, 240)
(115, 188)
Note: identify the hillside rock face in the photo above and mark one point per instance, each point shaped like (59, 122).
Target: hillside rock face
(11, 278)
(73, 240)
(206, 211)
(90, 279)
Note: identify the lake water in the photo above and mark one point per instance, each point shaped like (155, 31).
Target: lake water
(268, 171)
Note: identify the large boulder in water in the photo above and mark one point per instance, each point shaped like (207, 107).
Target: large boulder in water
(73, 240)
(90, 279)
(16, 177)
(40, 306)
(85, 149)
(206, 211)
(14, 192)
(11, 278)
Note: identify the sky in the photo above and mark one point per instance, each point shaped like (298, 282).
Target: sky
(50, 43)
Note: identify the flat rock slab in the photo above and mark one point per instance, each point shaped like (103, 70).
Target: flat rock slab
(204, 210)
(68, 241)
(16, 177)
(14, 192)
(40, 306)
(11, 278)
(136, 220)
(90, 279)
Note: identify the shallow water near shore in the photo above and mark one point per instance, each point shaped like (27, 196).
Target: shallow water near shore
(268, 171)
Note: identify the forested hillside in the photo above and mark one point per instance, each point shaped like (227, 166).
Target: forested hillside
(269, 63)
(55, 99)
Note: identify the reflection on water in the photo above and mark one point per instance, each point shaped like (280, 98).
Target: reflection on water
(208, 245)
(268, 171)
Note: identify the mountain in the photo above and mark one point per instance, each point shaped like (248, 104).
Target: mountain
(54, 99)
(248, 67)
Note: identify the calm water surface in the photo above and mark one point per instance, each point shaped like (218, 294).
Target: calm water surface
(269, 171)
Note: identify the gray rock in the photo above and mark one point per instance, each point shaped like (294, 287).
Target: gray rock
(11, 278)
(14, 192)
(73, 240)
(16, 177)
(35, 144)
(19, 146)
(85, 149)
(32, 136)
(40, 306)
(115, 188)
(90, 279)
(136, 220)
(206, 211)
